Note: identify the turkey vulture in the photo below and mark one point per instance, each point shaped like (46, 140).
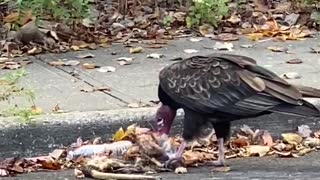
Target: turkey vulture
(221, 88)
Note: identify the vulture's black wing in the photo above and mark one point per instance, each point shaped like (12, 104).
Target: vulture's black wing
(232, 84)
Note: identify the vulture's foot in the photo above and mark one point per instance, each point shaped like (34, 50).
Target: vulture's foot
(221, 159)
(171, 161)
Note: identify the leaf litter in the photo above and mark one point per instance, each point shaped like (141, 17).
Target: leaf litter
(279, 21)
(139, 150)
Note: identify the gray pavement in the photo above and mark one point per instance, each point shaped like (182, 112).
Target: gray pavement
(101, 113)
(138, 81)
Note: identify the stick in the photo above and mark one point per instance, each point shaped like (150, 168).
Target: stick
(101, 175)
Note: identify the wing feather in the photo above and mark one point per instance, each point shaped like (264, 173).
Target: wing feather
(226, 83)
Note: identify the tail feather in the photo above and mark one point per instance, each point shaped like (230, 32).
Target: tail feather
(305, 110)
(308, 91)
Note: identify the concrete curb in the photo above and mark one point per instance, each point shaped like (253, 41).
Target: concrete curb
(51, 131)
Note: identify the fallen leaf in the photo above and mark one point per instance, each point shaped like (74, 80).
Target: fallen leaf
(291, 75)
(195, 39)
(291, 19)
(292, 138)
(118, 135)
(234, 19)
(124, 60)
(246, 46)
(87, 55)
(294, 61)
(56, 63)
(135, 50)
(57, 153)
(11, 18)
(34, 51)
(277, 49)
(315, 50)
(180, 170)
(253, 150)
(304, 151)
(36, 110)
(190, 51)
(311, 142)
(267, 139)
(241, 142)
(72, 63)
(133, 105)
(206, 29)
(279, 146)
(78, 174)
(304, 131)
(89, 65)
(225, 37)
(255, 36)
(105, 69)
(223, 46)
(155, 55)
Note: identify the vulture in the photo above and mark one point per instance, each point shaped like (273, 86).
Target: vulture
(221, 88)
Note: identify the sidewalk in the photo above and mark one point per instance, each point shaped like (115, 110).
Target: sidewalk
(138, 81)
(92, 114)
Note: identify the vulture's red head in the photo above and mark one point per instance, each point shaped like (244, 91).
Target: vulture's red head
(164, 118)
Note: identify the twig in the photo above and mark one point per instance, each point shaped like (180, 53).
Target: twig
(101, 175)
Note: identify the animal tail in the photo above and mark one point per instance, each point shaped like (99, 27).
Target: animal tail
(308, 91)
(306, 109)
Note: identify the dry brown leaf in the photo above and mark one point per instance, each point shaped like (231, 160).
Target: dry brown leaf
(279, 146)
(56, 63)
(311, 142)
(267, 138)
(206, 30)
(11, 18)
(89, 65)
(292, 138)
(253, 150)
(294, 61)
(277, 49)
(135, 50)
(255, 36)
(241, 142)
(225, 37)
(57, 153)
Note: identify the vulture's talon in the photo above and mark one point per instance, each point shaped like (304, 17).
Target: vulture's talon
(171, 161)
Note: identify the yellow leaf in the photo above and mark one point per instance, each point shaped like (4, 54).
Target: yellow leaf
(292, 138)
(36, 110)
(75, 48)
(135, 50)
(257, 149)
(255, 36)
(118, 135)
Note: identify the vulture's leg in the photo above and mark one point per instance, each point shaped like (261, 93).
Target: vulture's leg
(222, 132)
(191, 127)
